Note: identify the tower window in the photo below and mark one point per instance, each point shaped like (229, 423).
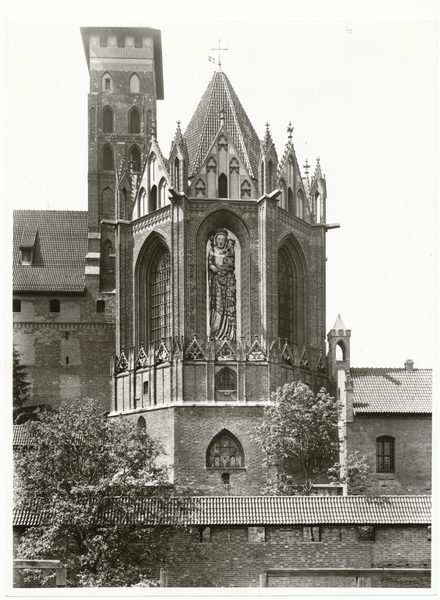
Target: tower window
(134, 84)
(136, 159)
(385, 454)
(107, 162)
(226, 478)
(285, 297)
(100, 306)
(138, 41)
(103, 41)
(226, 385)
(121, 40)
(135, 121)
(54, 306)
(107, 84)
(160, 290)
(16, 305)
(107, 121)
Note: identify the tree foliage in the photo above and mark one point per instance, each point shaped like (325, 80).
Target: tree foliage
(299, 434)
(80, 466)
(20, 384)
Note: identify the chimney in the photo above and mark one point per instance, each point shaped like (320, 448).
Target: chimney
(409, 365)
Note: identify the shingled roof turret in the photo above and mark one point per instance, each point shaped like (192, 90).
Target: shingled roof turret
(205, 123)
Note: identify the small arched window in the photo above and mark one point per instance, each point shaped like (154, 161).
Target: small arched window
(135, 121)
(152, 168)
(222, 186)
(300, 204)
(176, 173)
(163, 199)
(245, 190)
(134, 84)
(141, 424)
(107, 84)
(108, 201)
(160, 295)
(225, 452)
(340, 351)
(107, 159)
(135, 158)
(153, 198)
(226, 385)
(270, 176)
(285, 296)
(107, 120)
(385, 454)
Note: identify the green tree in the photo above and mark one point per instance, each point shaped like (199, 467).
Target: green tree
(299, 434)
(20, 384)
(93, 473)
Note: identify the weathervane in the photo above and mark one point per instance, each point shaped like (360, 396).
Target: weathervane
(219, 49)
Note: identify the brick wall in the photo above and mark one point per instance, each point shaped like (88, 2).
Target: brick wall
(412, 451)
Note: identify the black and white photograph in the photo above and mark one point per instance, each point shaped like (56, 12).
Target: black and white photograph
(221, 239)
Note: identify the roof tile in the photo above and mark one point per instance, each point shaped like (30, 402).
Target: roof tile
(392, 390)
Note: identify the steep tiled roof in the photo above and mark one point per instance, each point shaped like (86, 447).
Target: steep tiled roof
(205, 124)
(59, 251)
(392, 390)
(267, 510)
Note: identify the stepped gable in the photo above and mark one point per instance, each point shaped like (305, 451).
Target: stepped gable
(391, 390)
(59, 241)
(205, 123)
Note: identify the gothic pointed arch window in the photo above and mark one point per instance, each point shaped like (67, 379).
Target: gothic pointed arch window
(107, 120)
(160, 295)
(225, 452)
(270, 176)
(134, 84)
(226, 385)
(153, 198)
(163, 198)
(222, 186)
(285, 296)
(283, 202)
(300, 204)
(134, 121)
(135, 157)
(245, 190)
(290, 202)
(108, 202)
(107, 158)
(176, 173)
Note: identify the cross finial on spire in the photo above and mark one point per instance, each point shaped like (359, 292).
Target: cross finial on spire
(306, 167)
(219, 49)
(290, 131)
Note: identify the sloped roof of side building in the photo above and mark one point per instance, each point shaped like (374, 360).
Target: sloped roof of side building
(59, 243)
(387, 390)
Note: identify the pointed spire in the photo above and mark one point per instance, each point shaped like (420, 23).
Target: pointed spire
(306, 168)
(290, 131)
(339, 324)
(267, 141)
(317, 174)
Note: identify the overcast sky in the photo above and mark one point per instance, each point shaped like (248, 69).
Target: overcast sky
(361, 95)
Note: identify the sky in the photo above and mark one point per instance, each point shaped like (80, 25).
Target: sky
(361, 95)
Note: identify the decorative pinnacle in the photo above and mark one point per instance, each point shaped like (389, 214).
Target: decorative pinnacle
(290, 131)
(267, 142)
(219, 50)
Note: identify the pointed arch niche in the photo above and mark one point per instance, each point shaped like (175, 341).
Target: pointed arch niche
(238, 231)
(292, 285)
(153, 312)
(225, 452)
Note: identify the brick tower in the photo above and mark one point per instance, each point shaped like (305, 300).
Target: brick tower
(125, 66)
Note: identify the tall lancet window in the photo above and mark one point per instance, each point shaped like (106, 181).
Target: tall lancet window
(285, 296)
(160, 290)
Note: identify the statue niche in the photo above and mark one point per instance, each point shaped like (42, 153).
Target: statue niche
(222, 286)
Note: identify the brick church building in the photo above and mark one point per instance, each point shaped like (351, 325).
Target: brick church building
(194, 286)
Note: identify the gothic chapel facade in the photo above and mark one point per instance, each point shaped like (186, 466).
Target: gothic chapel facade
(216, 255)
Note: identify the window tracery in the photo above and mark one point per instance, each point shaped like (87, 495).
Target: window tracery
(225, 452)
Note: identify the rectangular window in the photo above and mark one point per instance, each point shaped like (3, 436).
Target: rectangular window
(121, 40)
(145, 387)
(26, 256)
(312, 533)
(138, 41)
(103, 41)
(16, 305)
(54, 306)
(107, 84)
(385, 454)
(256, 534)
(100, 306)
